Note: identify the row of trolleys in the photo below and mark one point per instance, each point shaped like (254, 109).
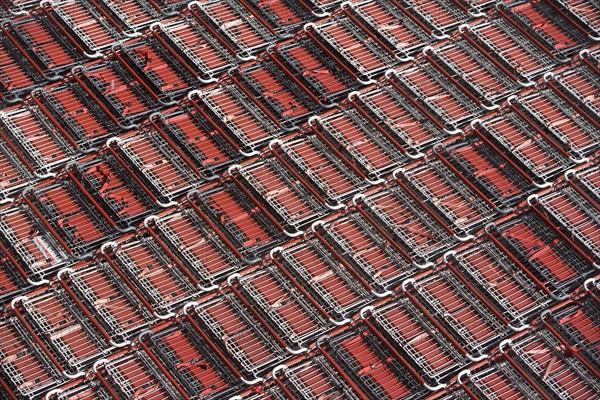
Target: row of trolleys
(177, 268)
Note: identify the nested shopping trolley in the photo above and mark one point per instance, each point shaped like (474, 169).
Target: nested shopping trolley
(70, 339)
(243, 122)
(187, 41)
(25, 371)
(246, 229)
(85, 123)
(159, 282)
(230, 328)
(372, 252)
(316, 163)
(40, 147)
(290, 206)
(398, 213)
(195, 141)
(402, 32)
(338, 290)
(295, 320)
(494, 175)
(234, 26)
(31, 250)
(565, 376)
(358, 140)
(84, 25)
(109, 303)
(351, 47)
(188, 237)
(439, 97)
(410, 124)
(182, 354)
(311, 378)
(370, 365)
(154, 165)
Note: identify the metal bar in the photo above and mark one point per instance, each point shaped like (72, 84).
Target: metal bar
(456, 83)
(281, 386)
(425, 208)
(256, 202)
(570, 102)
(83, 308)
(106, 15)
(591, 65)
(411, 16)
(583, 194)
(324, 48)
(155, 5)
(460, 5)
(292, 76)
(435, 323)
(526, 376)
(6, 31)
(464, 179)
(374, 330)
(257, 16)
(216, 229)
(12, 396)
(468, 391)
(17, 152)
(518, 27)
(574, 350)
(131, 173)
(499, 152)
(378, 127)
(139, 79)
(5, 4)
(106, 386)
(489, 56)
(173, 53)
(258, 317)
(213, 33)
(539, 131)
(594, 296)
(14, 261)
(54, 121)
(306, 7)
(571, 21)
(415, 103)
(215, 126)
(93, 96)
(164, 371)
(296, 175)
(45, 8)
(368, 31)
